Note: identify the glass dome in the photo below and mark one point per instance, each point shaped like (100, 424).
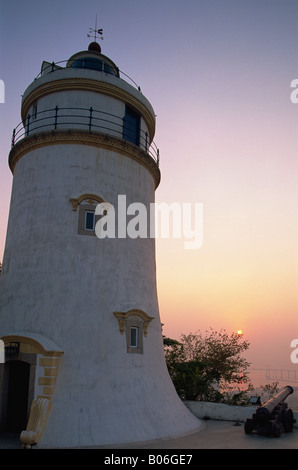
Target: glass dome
(93, 60)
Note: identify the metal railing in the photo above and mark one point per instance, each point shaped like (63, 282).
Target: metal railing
(85, 118)
(51, 67)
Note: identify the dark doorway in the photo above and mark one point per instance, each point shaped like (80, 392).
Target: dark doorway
(17, 397)
(131, 126)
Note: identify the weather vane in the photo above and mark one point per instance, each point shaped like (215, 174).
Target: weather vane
(94, 31)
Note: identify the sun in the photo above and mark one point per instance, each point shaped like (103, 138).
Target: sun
(239, 332)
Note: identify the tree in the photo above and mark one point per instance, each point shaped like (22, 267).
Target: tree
(207, 367)
(268, 391)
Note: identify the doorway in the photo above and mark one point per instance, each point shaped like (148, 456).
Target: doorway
(17, 395)
(131, 126)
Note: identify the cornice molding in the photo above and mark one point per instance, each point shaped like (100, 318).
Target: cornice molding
(75, 202)
(36, 345)
(123, 316)
(87, 84)
(83, 137)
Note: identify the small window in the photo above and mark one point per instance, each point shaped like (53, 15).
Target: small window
(89, 220)
(86, 204)
(134, 336)
(34, 110)
(135, 324)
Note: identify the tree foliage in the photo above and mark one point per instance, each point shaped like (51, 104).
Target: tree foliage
(207, 367)
(268, 391)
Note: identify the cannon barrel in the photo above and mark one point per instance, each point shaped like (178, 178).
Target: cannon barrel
(272, 417)
(264, 412)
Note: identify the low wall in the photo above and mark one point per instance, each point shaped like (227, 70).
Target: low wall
(220, 411)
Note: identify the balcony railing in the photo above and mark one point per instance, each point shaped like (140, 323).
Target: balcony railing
(101, 66)
(85, 118)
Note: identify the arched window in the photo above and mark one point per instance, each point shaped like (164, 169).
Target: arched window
(87, 204)
(134, 324)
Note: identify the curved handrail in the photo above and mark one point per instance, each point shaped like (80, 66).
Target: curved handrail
(55, 66)
(86, 118)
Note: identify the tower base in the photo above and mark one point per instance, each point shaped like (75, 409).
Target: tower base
(114, 416)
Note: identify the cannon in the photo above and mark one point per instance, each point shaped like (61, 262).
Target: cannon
(273, 417)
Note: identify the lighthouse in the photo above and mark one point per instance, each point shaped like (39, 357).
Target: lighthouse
(79, 315)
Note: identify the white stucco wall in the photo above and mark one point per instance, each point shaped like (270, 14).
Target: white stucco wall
(223, 412)
(66, 287)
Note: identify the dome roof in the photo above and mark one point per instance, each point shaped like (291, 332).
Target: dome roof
(93, 59)
(95, 47)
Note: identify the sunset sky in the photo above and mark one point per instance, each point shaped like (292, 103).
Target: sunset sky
(218, 75)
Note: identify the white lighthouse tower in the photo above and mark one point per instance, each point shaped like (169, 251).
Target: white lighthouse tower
(79, 314)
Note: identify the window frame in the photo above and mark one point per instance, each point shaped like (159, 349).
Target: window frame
(134, 318)
(86, 212)
(135, 337)
(137, 324)
(86, 202)
(132, 126)
(83, 209)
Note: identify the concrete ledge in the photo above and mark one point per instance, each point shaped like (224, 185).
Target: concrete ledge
(223, 412)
